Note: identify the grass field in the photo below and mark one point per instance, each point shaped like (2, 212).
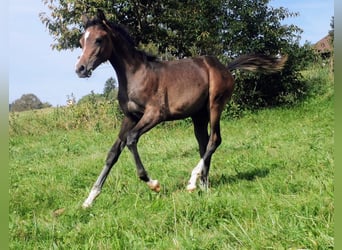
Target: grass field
(271, 185)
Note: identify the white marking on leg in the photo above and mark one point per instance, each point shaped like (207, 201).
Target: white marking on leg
(196, 172)
(92, 195)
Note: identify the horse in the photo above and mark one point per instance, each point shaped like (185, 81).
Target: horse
(152, 91)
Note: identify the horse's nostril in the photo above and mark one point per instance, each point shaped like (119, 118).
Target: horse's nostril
(81, 69)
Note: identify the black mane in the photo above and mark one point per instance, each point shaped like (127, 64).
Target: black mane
(124, 34)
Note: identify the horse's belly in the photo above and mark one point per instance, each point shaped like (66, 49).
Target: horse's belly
(187, 105)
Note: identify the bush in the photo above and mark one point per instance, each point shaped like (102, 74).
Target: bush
(88, 115)
(283, 89)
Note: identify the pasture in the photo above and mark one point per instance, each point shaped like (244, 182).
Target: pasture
(271, 183)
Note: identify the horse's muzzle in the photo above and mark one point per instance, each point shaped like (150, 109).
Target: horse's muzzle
(83, 72)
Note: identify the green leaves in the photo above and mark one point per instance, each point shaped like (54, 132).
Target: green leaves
(211, 27)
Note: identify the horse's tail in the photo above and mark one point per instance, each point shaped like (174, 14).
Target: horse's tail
(263, 63)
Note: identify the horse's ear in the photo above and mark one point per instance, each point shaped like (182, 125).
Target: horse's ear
(85, 19)
(101, 15)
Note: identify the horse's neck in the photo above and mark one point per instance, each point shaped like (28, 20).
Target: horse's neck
(120, 69)
(125, 67)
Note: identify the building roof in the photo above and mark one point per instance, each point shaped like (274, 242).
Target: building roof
(324, 45)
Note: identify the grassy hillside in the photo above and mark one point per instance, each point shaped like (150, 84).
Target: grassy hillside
(271, 182)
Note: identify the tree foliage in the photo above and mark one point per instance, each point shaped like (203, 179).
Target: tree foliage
(332, 31)
(183, 28)
(110, 89)
(186, 28)
(110, 92)
(91, 98)
(28, 102)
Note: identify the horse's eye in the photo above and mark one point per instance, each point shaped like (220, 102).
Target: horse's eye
(98, 41)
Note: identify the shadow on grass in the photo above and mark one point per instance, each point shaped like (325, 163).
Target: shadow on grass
(249, 175)
(218, 180)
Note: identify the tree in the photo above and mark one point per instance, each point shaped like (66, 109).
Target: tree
(109, 90)
(332, 26)
(186, 28)
(332, 32)
(91, 98)
(28, 102)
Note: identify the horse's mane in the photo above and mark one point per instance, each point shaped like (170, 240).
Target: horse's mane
(124, 34)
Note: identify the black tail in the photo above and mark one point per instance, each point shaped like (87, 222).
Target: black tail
(261, 63)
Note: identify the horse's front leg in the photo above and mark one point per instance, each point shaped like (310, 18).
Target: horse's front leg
(142, 173)
(112, 157)
(148, 121)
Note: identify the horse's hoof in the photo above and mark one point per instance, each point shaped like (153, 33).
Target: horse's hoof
(86, 205)
(154, 185)
(190, 188)
(92, 196)
(156, 189)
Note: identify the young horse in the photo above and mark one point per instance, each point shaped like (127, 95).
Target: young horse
(152, 91)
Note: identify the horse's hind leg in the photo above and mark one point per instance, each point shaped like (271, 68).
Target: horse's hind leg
(217, 104)
(213, 144)
(200, 122)
(202, 168)
(112, 157)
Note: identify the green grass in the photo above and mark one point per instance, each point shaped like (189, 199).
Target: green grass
(271, 185)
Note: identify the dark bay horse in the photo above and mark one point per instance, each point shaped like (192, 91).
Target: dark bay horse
(152, 91)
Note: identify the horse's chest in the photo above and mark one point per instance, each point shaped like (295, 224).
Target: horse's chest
(133, 107)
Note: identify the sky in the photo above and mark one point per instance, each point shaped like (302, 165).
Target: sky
(49, 74)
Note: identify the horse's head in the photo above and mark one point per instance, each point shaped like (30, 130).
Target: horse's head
(96, 44)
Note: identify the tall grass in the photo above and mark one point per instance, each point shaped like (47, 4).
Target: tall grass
(271, 182)
(98, 116)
